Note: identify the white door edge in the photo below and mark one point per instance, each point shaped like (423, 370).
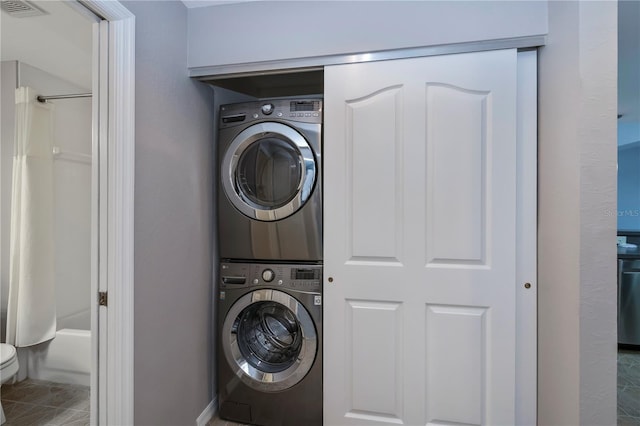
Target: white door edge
(112, 210)
(526, 234)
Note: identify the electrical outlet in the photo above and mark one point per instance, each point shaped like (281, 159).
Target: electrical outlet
(622, 240)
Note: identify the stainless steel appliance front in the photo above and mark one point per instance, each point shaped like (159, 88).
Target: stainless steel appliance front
(629, 302)
(270, 192)
(270, 343)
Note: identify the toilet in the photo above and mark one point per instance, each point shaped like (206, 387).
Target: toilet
(8, 368)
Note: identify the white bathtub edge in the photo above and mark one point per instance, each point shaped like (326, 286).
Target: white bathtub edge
(65, 359)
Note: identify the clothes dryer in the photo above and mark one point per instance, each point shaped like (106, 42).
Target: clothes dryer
(270, 343)
(270, 190)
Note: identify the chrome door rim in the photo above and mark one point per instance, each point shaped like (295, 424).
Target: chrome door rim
(230, 163)
(253, 377)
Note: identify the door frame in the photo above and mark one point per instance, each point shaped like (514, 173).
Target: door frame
(113, 149)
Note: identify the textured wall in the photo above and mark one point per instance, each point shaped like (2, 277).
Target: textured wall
(576, 235)
(577, 181)
(173, 222)
(265, 31)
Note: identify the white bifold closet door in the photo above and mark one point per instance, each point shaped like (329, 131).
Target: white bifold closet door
(420, 241)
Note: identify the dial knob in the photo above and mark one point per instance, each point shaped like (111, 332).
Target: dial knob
(267, 109)
(268, 275)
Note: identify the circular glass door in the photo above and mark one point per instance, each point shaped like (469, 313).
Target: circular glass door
(269, 338)
(269, 171)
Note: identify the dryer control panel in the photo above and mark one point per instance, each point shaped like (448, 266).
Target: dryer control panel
(298, 110)
(301, 277)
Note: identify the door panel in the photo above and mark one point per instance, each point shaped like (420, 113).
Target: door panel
(420, 240)
(456, 140)
(375, 192)
(455, 367)
(376, 386)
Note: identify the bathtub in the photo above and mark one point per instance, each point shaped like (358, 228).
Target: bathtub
(65, 359)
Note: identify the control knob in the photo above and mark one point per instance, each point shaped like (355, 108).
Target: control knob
(267, 109)
(268, 275)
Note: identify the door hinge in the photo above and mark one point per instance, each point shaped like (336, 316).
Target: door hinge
(102, 298)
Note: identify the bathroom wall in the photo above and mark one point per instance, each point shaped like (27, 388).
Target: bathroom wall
(629, 187)
(72, 186)
(8, 77)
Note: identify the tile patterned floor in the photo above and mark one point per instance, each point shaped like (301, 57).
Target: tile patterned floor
(628, 388)
(40, 403)
(36, 402)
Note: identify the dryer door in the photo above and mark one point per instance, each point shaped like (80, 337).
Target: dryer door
(269, 171)
(269, 339)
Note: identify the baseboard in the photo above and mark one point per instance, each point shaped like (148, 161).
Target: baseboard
(208, 413)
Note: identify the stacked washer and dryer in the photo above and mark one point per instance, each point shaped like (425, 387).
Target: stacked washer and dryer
(270, 279)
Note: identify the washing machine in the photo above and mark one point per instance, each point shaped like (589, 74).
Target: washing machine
(270, 343)
(270, 185)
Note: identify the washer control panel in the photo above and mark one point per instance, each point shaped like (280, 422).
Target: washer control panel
(300, 110)
(301, 277)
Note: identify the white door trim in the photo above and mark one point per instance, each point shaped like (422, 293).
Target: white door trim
(114, 148)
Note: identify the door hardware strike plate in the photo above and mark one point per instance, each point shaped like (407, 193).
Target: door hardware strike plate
(102, 298)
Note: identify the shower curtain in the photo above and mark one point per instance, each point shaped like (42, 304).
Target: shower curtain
(31, 312)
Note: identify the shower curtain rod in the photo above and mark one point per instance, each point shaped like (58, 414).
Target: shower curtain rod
(77, 95)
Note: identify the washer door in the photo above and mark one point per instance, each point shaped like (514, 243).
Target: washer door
(269, 339)
(269, 171)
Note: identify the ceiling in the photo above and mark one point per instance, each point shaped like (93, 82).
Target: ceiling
(65, 28)
(32, 39)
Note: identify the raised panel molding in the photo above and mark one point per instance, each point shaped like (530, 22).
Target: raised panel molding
(375, 180)
(456, 370)
(458, 132)
(375, 355)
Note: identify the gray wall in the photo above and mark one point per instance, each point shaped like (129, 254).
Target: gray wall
(173, 223)
(577, 183)
(268, 30)
(576, 233)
